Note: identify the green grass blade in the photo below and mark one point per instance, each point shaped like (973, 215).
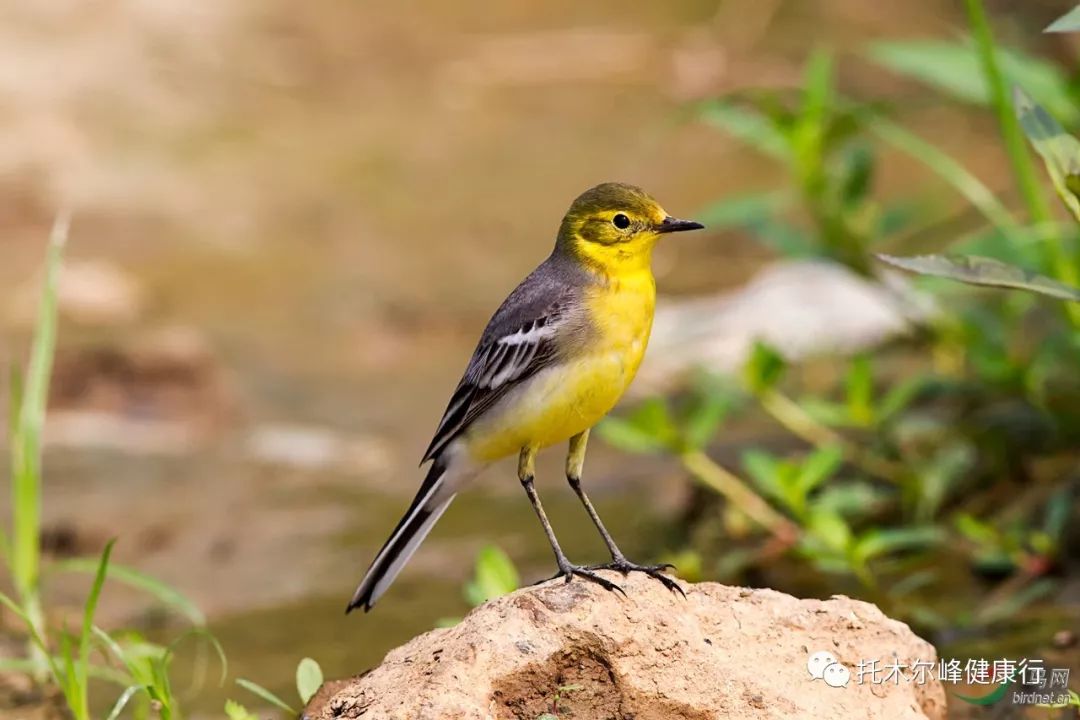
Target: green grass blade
(208, 636)
(35, 637)
(265, 694)
(953, 67)
(97, 672)
(749, 126)
(14, 406)
(26, 439)
(1023, 168)
(122, 701)
(70, 686)
(131, 577)
(947, 169)
(87, 633)
(976, 270)
(1069, 22)
(818, 84)
(746, 210)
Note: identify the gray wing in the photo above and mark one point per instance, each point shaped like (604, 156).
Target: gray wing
(519, 341)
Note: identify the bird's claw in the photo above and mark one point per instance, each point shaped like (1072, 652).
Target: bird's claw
(654, 571)
(569, 572)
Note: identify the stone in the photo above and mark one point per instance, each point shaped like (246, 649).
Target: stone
(577, 651)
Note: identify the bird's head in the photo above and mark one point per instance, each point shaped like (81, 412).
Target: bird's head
(614, 227)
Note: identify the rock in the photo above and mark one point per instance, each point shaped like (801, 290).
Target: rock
(315, 449)
(723, 652)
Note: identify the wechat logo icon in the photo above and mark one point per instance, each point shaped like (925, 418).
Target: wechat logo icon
(823, 665)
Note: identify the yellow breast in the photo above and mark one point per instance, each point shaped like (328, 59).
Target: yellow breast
(573, 395)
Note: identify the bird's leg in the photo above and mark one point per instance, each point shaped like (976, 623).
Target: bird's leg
(526, 471)
(575, 462)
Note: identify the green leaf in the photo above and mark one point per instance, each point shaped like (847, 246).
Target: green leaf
(860, 391)
(976, 530)
(764, 470)
(818, 88)
(1058, 510)
(786, 239)
(940, 475)
(875, 543)
(1010, 607)
(853, 499)
(808, 135)
(26, 434)
(825, 412)
(37, 641)
(309, 678)
(955, 69)
(947, 168)
(131, 577)
(1069, 22)
(122, 701)
(495, 576)
(749, 126)
(764, 368)
(830, 529)
(68, 679)
(711, 404)
(649, 428)
(901, 395)
(859, 163)
(266, 695)
(87, 633)
(236, 711)
(1060, 151)
(976, 270)
(819, 467)
(744, 210)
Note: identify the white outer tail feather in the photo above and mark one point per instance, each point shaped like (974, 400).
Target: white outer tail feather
(382, 584)
(407, 538)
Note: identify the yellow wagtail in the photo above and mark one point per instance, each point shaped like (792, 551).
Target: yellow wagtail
(555, 358)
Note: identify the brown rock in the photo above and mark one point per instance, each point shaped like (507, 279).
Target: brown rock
(723, 652)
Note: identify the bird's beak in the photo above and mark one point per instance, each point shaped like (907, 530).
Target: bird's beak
(670, 225)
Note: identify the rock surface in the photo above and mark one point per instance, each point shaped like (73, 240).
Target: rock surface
(723, 652)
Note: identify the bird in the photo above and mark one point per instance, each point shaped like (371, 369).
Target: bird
(553, 360)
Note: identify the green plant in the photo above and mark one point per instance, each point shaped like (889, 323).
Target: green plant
(309, 678)
(894, 469)
(832, 168)
(494, 575)
(684, 432)
(555, 708)
(54, 654)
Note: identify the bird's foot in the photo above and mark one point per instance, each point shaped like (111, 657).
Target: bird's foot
(569, 571)
(654, 571)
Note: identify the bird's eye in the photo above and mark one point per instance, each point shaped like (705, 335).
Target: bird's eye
(620, 221)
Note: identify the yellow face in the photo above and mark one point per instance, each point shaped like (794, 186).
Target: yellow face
(614, 227)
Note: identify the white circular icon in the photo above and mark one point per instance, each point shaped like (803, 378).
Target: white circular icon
(817, 663)
(836, 675)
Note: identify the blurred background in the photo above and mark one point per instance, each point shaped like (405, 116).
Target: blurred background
(292, 220)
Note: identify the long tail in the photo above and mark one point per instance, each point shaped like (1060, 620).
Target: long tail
(427, 507)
